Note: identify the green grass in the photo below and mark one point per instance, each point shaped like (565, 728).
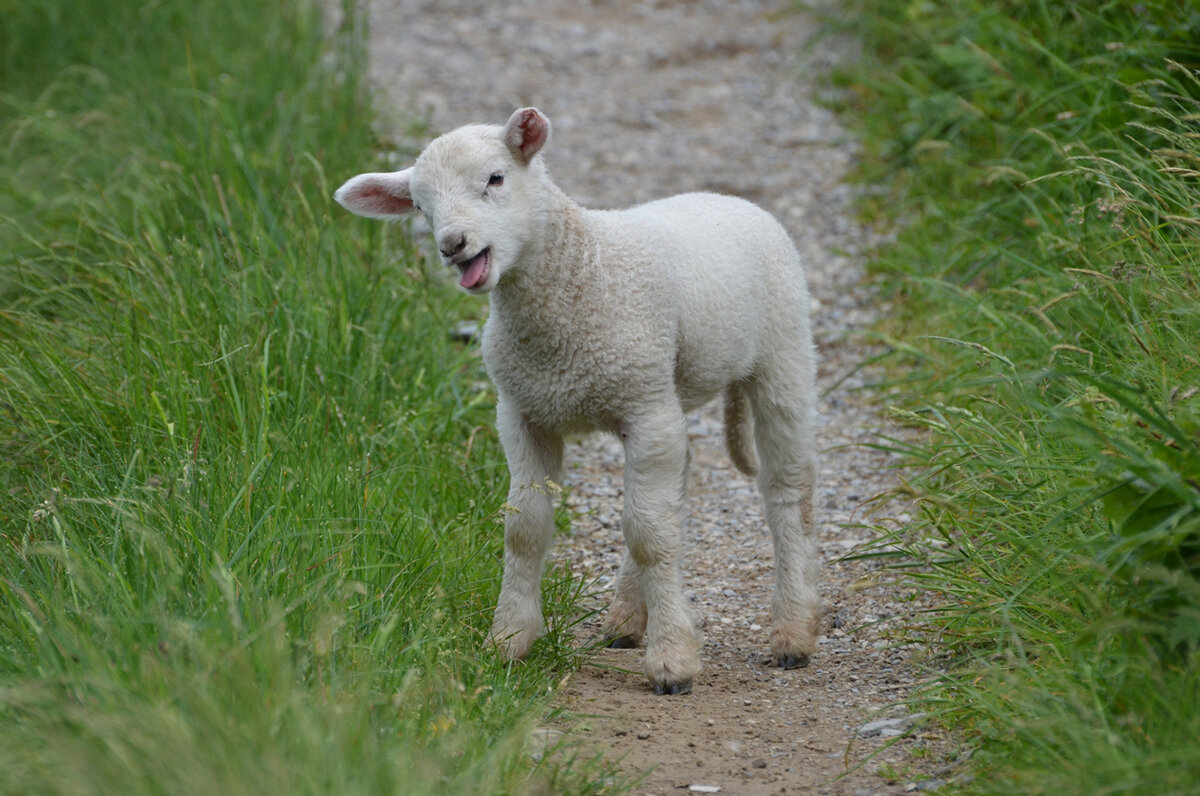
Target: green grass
(1041, 162)
(249, 491)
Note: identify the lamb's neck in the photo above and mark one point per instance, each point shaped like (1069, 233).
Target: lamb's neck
(555, 266)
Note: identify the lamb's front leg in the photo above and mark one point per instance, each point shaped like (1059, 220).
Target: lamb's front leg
(655, 470)
(535, 464)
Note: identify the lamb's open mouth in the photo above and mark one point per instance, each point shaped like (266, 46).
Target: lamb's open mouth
(474, 272)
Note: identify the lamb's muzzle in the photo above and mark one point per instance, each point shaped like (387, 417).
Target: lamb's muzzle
(452, 243)
(604, 320)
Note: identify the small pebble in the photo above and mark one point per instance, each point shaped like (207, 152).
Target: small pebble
(889, 728)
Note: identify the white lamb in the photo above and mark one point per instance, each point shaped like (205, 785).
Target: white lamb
(622, 321)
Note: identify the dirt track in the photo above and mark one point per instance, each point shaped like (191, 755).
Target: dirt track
(650, 99)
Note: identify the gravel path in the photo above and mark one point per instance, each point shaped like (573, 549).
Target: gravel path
(650, 99)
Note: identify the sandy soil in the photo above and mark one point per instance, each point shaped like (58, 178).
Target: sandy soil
(650, 99)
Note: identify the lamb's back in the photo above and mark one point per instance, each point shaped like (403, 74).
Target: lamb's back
(724, 268)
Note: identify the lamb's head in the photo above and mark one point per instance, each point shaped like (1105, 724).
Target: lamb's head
(481, 188)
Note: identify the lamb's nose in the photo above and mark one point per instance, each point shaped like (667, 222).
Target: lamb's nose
(451, 243)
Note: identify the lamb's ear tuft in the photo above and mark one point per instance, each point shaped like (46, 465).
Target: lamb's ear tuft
(377, 195)
(526, 133)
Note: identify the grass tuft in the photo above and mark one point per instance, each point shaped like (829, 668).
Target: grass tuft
(249, 495)
(1041, 163)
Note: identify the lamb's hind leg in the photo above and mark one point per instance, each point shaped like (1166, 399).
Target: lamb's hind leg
(625, 623)
(785, 436)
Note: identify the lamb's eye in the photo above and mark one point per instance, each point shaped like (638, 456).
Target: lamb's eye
(496, 179)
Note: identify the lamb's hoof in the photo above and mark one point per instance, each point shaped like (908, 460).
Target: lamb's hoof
(794, 643)
(798, 661)
(513, 645)
(623, 642)
(673, 688)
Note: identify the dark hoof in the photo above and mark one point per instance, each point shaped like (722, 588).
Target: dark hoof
(673, 689)
(792, 661)
(623, 643)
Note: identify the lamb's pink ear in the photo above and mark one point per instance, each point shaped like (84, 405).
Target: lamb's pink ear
(377, 195)
(526, 133)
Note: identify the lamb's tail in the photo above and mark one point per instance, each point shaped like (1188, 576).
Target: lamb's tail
(739, 429)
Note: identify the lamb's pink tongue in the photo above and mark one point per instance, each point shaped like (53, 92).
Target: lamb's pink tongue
(475, 272)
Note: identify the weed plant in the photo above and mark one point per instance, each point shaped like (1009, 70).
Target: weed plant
(249, 494)
(1042, 167)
